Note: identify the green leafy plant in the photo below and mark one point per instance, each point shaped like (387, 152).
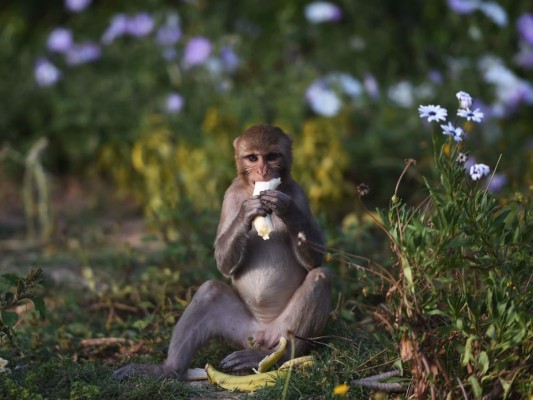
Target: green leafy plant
(461, 308)
(17, 296)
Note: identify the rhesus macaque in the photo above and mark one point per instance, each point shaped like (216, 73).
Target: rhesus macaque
(278, 284)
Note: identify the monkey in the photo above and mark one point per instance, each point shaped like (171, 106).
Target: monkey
(277, 285)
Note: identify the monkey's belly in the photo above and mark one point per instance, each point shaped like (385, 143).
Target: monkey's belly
(267, 289)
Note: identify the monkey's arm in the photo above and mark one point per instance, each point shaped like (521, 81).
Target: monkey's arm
(293, 209)
(233, 230)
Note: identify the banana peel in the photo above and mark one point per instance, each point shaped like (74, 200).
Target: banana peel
(253, 382)
(266, 363)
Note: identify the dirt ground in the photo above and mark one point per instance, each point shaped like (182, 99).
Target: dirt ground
(82, 214)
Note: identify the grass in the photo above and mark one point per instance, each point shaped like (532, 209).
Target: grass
(95, 288)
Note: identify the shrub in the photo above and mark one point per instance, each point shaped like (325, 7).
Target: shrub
(17, 296)
(461, 306)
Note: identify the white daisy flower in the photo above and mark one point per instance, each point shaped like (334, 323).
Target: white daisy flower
(477, 171)
(447, 129)
(461, 158)
(433, 113)
(450, 130)
(470, 115)
(465, 100)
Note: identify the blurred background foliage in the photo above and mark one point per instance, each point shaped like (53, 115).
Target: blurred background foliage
(150, 94)
(146, 97)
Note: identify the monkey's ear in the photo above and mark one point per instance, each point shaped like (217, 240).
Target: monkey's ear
(236, 142)
(289, 137)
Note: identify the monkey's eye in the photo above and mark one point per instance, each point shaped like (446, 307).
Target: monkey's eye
(251, 157)
(272, 156)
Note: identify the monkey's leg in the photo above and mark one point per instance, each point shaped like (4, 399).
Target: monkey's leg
(305, 315)
(215, 311)
(308, 310)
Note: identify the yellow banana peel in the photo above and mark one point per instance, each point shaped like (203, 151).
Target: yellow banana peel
(253, 382)
(300, 362)
(244, 383)
(266, 363)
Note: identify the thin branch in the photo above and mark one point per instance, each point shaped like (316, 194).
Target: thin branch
(104, 341)
(372, 382)
(382, 386)
(462, 388)
(383, 375)
(493, 173)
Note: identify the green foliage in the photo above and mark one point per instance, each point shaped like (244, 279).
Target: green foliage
(79, 380)
(459, 308)
(464, 289)
(17, 295)
(102, 115)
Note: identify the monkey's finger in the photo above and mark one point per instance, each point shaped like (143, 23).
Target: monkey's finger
(276, 205)
(243, 359)
(275, 198)
(260, 211)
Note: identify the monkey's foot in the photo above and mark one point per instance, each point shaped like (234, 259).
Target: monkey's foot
(244, 359)
(146, 370)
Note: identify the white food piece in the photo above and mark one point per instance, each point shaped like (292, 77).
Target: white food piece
(196, 374)
(263, 225)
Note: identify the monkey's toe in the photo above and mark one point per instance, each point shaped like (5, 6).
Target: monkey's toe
(125, 372)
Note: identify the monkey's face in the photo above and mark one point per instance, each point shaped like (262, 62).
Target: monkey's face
(261, 166)
(263, 153)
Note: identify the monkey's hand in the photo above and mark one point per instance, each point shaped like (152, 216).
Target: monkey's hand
(277, 202)
(250, 209)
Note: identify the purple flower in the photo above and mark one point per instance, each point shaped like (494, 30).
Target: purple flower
(140, 25)
(83, 53)
(435, 77)
(497, 182)
(322, 100)
(117, 28)
(168, 35)
(46, 73)
(463, 6)
(525, 57)
(169, 53)
(77, 5)
(229, 59)
(495, 12)
(322, 11)
(525, 27)
(349, 85)
(371, 86)
(197, 51)
(174, 103)
(469, 162)
(60, 40)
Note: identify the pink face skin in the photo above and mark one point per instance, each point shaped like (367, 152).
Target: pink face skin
(261, 166)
